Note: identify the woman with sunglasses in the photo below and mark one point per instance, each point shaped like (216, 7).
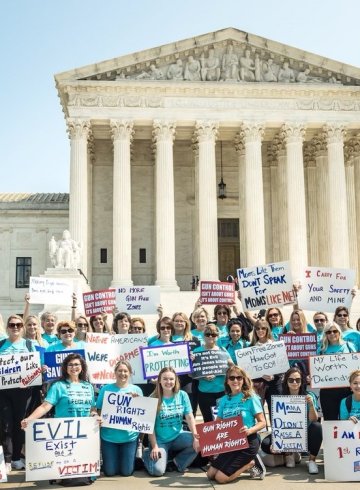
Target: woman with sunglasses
(240, 399)
(276, 321)
(66, 333)
(294, 383)
(333, 343)
(14, 402)
(137, 325)
(211, 387)
(82, 328)
(222, 314)
(341, 317)
(165, 330)
(320, 319)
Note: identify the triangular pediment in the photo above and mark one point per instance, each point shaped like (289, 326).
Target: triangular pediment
(228, 55)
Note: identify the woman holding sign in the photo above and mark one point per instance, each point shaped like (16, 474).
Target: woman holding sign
(350, 406)
(173, 406)
(240, 399)
(118, 446)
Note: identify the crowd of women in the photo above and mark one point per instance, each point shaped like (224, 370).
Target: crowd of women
(174, 443)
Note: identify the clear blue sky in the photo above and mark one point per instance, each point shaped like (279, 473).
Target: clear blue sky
(39, 38)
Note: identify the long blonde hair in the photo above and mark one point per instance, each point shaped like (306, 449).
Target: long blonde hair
(38, 336)
(247, 388)
(325, 340)
(159, 392)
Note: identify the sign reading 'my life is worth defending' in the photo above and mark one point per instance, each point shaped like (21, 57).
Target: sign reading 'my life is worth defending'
(267, 285)
(270, 358)
(138, 300)
(20, 370)
(51, 291)
(172, 355)
(324, 289)
(217, 293)
(332, 370)
(289, 423)
(62, 448)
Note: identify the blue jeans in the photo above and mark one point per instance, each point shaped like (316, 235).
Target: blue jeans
(182, 445)
(118, 458)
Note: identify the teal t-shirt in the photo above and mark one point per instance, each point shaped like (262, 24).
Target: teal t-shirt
(232, 406)
(50, 338)
(227, 343)
(345, 348)
(199, 334)
(355, 409)
(111, 434)
(310, 328)
(168, 422)
(158, 342)
(59, 346)
(152, 339)
(18, 347)
(71, 399)
(215, 385)
(352, 336)
(223, 331)
(276, 331)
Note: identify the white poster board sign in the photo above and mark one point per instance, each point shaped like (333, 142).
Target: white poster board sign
(173, 355)
(289, 423)
(122, 411)
(267, 359)
(138, 300)
(341, 450)
(332, 370)
(62, 448)
(3, 475)
(103, 351)
(264, 286)
(20, 370)
(324, 288)
(53, 291)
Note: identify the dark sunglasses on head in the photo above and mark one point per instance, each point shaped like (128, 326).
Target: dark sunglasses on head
(66, 330)
(237, 378)
(15, 325)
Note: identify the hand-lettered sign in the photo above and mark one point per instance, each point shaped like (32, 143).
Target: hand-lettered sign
(52, 291)
(217, 293)
(267, 285)
(324, 288)
(299, 346)
(20, 370)
(171, 355)
(54, 360)
(210, 362)
(332, 370)
(222, 436)
(99, 301)
(289, 423)
(139, 300)
(62, 448)
(270, 358)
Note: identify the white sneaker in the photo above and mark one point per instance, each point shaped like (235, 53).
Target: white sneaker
(139, 451)
(258, 470)
(17, 465)
(289, 460)
(8, 468)
(313, 468)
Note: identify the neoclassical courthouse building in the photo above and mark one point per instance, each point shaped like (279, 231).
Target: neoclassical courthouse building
(195, 158)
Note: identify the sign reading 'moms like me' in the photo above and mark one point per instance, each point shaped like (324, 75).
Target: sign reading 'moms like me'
(171, 355)
(267, 359)
(332, 370)
(51, 291)
(125, 412)
(103, 351)
(289, 423)
(62, 448)
(264, 286)
(54, 360)
(20, 370)
(222, 436)
(99, 301)
(217, 293)
(324, 289)
(138, 299)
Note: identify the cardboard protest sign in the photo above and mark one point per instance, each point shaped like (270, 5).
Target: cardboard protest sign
(99, 301)
(222, 436)
(62, 448)
(299, 346)
(325, 288)
(20, 370)
(341, 450)
(209, 362)
(289, 423)
(139, 300)
(264, 286)
(332, 370)
(104, 350)
(54, 360)
(125, 412)
(3, 475)
(217, 293)
(270, 358)
(53, 291)
(173, 355)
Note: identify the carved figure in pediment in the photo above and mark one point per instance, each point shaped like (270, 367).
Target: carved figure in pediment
(269, 70)
(120, 76)
(230, 65)
(304, 77)
(333, 79)
(192, 70)
(286, 74)
(153, 74)
(257, 65)
(247, 68)
(210, 67)
(176, 71)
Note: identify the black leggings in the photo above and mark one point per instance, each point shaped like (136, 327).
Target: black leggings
(206, 401)
(314, 439)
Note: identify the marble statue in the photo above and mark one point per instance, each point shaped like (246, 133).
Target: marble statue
(304, 77)
(65, 253)
(257, 66)
(175, 71)
(286, 74)
(210, 67)
(192, 70)
(247, 68)
(269, 70)
(153, 74)
(230, 65)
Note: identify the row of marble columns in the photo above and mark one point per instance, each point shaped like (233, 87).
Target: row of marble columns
(289, 220)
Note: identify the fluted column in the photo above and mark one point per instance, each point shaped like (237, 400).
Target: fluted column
(282, 203)
(337, 203)
(240, 150)
(293, 135)
(356, 162)
(163, 138)
(206, 133)
(251, 134)
(311, 195)
(79, 131)
(196, 251)
(122, 134)
(351, 204)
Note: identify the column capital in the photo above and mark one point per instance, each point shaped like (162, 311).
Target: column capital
(334, 132)
(239, 144)
(121, 129)
(78, 128)
(319, 144)
(195, 146)
(293, 132)
(251, 131)
(206, 130)
(309, 155)
(163, 130)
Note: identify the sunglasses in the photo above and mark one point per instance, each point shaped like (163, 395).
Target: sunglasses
(342, 315)
(82, 325)
(319, 320)
(15, 325)
(273, 314)
(222, 312)
(138, 328)
(260, 328)
(237, 378)
(329, 332)
(211, 335)
(165, 328)
(66, 330)
(294, 380)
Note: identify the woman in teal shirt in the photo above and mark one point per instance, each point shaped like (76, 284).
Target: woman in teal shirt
(350, 406)
(118, 446)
